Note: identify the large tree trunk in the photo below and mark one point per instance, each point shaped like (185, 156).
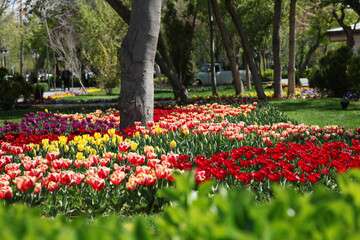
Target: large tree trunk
(162, 57)
(137, 63)
(248, 49)
(239, 87)
(276, 48)
(292, 49)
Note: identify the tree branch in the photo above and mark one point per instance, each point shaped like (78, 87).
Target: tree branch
(121, 9)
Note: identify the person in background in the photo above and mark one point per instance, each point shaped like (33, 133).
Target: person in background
(66, 76)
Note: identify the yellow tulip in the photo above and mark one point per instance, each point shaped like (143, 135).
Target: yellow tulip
(45, 142)
(149, 149)
(106, 138)
(173, 144)
(98, 142)
(53, 148)
(86, 138)
(63, 140)
(80, 147)
(111, 132)
(158, 130)
(133, 146)
(97, 135)
(80, 156)
(185, 130)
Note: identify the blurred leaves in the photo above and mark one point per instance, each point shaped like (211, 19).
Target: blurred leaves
(205, 214)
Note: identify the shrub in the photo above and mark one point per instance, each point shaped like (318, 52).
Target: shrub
(12, 88)
(353, 72)
(39, 89)
(331, 74)
(268, 75)
(109, 85)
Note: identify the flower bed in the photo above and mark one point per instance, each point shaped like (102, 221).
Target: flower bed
(76, 164)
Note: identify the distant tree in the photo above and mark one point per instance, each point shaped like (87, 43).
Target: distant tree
(353, 4)
(57, 17)
(341, 14)
(239, 87)
(348, 29)
(292, 49)
(101, 31)
(4, 4)
(248, 48)
(179, 24)
(276, 48)
(314, 22)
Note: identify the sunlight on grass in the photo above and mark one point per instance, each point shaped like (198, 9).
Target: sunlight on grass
(321, 112)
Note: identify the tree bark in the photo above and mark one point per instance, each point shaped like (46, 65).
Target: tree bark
(120, 9)
(238, 84)
(137, 63)
(292, 49)
(212, 50)
(248, 49)
(248, 75)
(21, 53)
(162, 56)
(276, 49)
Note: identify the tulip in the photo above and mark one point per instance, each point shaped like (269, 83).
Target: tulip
(173, 144)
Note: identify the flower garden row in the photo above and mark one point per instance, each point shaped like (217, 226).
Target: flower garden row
(76, 163)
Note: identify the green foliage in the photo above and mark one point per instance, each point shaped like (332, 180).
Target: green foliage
(252, 13)
(10, 36)
(319, 20)
(39, 89)
(109, 73)
(101, 32)
(208, 213)
(12, 88)
(331, 75)
(179, 24)
(268, 75)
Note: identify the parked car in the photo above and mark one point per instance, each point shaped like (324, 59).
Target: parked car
(222, 76)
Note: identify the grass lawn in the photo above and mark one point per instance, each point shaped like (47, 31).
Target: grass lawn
(159, 94)
(321, 112)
